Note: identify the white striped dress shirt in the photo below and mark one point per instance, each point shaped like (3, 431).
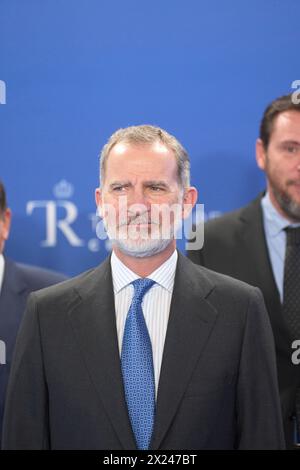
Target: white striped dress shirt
(155, 305)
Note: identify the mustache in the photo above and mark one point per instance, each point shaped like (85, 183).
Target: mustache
(137, 219)
(292, 182)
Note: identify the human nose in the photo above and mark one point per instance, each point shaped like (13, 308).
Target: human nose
(138, 197)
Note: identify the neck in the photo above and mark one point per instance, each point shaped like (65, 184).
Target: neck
(145, 266)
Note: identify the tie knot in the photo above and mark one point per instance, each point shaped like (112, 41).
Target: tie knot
(141, 286)
(293, 235)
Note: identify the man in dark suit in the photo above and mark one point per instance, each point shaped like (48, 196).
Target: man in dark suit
(148, 350)
(250, 244)
(16, 283)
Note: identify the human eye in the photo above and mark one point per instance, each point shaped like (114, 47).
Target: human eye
(119, 188)
(291, 148)
(156, 187)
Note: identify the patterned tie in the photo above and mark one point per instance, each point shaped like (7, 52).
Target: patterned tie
(291, 287)
(291, 295)
(137, 368)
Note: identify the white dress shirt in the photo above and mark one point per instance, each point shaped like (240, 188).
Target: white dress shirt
(155, 305)
(2, 263)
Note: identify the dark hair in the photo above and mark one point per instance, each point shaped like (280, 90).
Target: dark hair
(278, 106)
(2, 198)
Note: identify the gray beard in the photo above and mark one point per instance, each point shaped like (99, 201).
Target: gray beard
(288, 206)
(143, 251)
(143, 248)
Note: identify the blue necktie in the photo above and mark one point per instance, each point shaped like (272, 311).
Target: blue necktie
(137, 368)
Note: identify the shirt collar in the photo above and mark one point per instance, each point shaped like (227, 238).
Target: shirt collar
(164, 275)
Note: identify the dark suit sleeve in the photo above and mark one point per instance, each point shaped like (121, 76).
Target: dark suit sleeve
(258, 403)
(26, 416)
(38, 278)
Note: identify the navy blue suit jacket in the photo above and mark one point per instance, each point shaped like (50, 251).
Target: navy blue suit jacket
(18, 282)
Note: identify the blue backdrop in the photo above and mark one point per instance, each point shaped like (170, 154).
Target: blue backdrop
(73, 71)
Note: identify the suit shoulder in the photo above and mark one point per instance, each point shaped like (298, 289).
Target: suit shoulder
(223, 230)
(223, 282)
(232, 296)
(226, 294)
(224, 290)
(64, 288)
(38, 278)
(225, 224)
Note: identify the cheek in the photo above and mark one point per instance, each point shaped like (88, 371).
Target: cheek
(115, 214)
(168, 213)
(108, 210)
(276, 171)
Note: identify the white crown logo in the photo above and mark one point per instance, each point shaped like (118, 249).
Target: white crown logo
(63, 190)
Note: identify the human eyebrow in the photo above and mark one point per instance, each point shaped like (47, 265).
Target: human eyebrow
(119, 184)
(160, 183)
(292, 143)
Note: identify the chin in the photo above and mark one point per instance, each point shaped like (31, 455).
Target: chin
(142, 250)
(290, 206)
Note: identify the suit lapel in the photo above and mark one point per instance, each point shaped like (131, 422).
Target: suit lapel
(253, 241)
(12, 280)
(191, 321)
(13, 297)
(93, 320)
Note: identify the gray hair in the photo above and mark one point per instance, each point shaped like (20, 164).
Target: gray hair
(147, 135)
